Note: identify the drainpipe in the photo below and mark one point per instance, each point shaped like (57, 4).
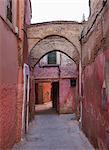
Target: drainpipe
(80, 85)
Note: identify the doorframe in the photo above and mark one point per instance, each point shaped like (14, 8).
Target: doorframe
(26, 72)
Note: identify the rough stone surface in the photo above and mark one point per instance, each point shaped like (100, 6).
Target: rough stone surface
(54, 132)
(95, 5)
(46, 37)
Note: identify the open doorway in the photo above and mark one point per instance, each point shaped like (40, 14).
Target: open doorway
(55, 95)
(46, 96)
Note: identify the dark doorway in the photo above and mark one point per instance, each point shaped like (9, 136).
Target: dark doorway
(55, 95)
(26, 103)
(36, 93)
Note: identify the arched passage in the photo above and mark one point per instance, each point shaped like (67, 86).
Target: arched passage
(54, 82)
(50, 44)
(55, 43)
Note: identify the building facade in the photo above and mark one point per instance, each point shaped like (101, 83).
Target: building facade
(13, 47)
(95, 74)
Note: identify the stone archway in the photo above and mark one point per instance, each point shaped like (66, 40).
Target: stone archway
(56, 35)
(52, 43)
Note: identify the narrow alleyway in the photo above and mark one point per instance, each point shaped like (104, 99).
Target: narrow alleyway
(54, 132)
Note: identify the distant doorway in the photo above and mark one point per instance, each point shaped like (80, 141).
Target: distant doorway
(42, 92)
(46, 96)
(55, 95)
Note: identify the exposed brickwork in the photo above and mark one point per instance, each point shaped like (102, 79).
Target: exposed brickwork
(46, 37)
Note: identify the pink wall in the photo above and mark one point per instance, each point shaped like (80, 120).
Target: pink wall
(53, 72)
(66, 96)
(95, 118)
(63, 74)
(11, 79)
(8, 86)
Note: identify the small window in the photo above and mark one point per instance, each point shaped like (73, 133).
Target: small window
(52, 58)
(73, 82)
(9, 10)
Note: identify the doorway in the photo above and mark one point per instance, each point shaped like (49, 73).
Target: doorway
(55, 95)
(46, 96)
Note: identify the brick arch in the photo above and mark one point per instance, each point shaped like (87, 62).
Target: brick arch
(54, 36)
(68, 29)
(51, 43)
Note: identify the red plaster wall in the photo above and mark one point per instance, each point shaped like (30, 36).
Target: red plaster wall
(96, 50)
(95, 119)
(66, 97)
(8, 86)
(43, 91)
(19, 104)
(40, 93)
(11, 79)
(46, 92)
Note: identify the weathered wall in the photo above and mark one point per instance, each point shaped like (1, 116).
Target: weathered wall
(23, 19)
(66, 97)
(93, 5)
(8, 86)
(95, 78)
(70, 30)
(46, 37)
(11, 73)
(55, 72)
(42, 92)
(28, 12)
(65, 71)
(46, 92)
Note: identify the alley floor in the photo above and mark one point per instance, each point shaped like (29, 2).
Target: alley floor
(54, 132)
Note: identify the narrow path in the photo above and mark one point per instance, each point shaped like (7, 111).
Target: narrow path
(54, 132)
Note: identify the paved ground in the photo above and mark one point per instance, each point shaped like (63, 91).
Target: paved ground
(54, 132)
(44, 109)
